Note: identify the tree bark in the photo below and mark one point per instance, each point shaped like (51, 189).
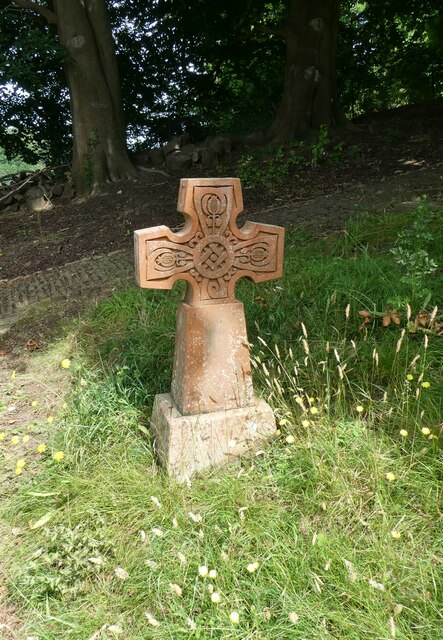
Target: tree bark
(99, 139)
(309, 94)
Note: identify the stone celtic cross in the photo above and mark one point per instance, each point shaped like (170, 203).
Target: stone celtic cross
(211, 403)
(210, 252)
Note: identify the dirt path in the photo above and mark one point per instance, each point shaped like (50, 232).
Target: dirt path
(100, 274)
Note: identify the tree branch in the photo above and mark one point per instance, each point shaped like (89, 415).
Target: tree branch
(38, 8)
(273, 32)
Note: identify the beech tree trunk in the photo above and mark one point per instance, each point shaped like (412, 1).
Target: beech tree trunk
(98, 131)
(309, 94)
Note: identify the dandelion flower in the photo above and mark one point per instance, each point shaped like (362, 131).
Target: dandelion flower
(41, 448)
(34, 403)
(212, 573)
(409, 377)
(252, 567)
(25, 439)
(277, 433)
(121, 573)
(425, 385)
(305, 423)
(215, 597)
(175, 588)
(152, 621)
(403, 433)
(283, 422)
(234, 617)
(313, 410)
(426, 431)
(65, 364)
(395, 534)
(2, 436)
(203, 571)
(20, 463)
(290, 439)
(293, 617)
(15, 440)
(359, 408)
(50, 419)
(13, 375)
(18, 471)
(299, 400)
(58, 456)
(391, 476)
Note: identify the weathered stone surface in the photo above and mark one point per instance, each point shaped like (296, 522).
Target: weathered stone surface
(175, 144)
(178, 161)
(212, 370)
(222, 145)
(211, 403)
(191, 443)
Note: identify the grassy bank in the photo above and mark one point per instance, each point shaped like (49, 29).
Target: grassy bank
(330, 531)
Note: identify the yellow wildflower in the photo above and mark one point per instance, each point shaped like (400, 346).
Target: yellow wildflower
(203, 571)
(50, 419)
(34, 403)
(41, 448)
(2, 436)
(13, 375)
(15, 440)
(18, 471)
(306, 423)
(283, 421)
(58, 456)
(359, 408)
(290, 439)
(299, 400)
(277, 433)
(409, 377)
(395, 534)
(252, 567)
(391, 476)
(425, 385)
(313, 410)
(20, 463)
(65, 364)
(426, 431)
(25, 439)
(234, 617)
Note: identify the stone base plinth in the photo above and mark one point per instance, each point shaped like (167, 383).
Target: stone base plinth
(186, 444)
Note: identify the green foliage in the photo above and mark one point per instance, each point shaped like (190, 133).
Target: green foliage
(68, 560)
(413, 252)
(318, 148)
(14, 165)
(268, 167)
(339, 510)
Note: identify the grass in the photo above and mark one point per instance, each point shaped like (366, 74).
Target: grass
(332, 530)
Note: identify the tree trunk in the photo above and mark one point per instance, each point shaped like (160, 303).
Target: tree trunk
(99, 139)
(309, 95)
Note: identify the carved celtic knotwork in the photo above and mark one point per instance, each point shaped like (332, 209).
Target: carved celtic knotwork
(210, 252)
